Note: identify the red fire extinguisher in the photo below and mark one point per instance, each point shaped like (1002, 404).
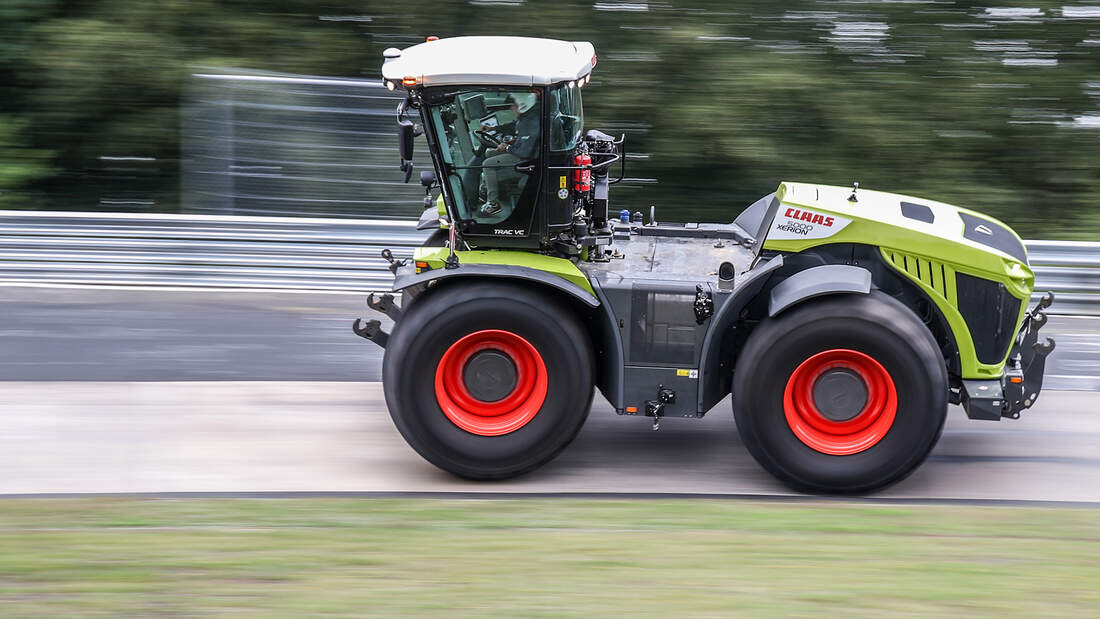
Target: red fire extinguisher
(582, 179)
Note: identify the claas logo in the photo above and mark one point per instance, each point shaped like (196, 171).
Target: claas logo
(814, 218)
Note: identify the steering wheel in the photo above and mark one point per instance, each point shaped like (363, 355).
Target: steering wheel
(487, 138)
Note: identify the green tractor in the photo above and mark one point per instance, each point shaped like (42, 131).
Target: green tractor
(843, 321)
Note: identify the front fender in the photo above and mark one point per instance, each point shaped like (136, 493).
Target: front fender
(817, 281)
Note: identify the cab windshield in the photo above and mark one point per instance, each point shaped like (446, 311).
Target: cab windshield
(566, 117)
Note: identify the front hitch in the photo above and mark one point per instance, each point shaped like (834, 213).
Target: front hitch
(1022, 381)
(1023, 378)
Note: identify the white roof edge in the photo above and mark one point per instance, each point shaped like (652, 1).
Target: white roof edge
(505, 61)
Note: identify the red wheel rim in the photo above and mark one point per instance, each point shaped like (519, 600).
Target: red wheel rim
(502, 416)
(850, 436)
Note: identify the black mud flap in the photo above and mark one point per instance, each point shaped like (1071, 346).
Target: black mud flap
(1019, 388)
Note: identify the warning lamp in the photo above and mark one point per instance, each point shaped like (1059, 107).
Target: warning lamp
(408, 80)
(431, 38)
(582, 179)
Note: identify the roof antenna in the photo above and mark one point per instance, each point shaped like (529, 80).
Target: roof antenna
(855, 188)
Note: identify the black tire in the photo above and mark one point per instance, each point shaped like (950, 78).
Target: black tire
(875, 325)
(442, 317)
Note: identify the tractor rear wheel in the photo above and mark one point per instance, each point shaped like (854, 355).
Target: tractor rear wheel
(488, 380)
(847, 394)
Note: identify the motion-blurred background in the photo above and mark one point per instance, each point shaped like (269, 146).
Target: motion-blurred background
(990, 105)
(151, 347)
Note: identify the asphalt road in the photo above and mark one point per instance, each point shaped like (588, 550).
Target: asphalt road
(183, 335)
(273, 393)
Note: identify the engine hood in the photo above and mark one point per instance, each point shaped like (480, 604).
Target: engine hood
(810, 215)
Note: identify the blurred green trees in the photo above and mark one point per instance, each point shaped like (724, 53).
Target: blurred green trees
(993, 106)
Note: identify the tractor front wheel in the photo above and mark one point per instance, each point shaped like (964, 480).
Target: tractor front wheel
(845, 394)
(488, 380)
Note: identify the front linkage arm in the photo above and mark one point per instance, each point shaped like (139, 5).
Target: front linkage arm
(1027, 361)
(372, 329)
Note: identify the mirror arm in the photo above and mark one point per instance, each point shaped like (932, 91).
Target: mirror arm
(622, 151)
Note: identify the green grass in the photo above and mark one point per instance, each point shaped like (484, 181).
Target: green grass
(543, 558)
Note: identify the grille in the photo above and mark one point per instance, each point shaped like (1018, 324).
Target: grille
(990, 312)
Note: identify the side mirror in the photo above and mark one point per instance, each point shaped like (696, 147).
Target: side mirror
(406, 131)
(427, 178)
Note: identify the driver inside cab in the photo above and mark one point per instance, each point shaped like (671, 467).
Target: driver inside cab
(501, 177)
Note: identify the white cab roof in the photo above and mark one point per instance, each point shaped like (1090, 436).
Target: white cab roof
(510, 61)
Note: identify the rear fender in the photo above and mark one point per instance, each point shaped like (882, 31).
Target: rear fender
(406, 277)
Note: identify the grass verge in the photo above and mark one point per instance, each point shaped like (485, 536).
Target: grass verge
(534, 558)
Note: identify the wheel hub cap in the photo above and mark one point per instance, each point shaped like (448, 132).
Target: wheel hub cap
(840, 402)
(491, 382)
(840, 394)
(489, 375)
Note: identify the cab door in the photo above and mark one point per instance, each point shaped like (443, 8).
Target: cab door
(491, 145)
(564, 130)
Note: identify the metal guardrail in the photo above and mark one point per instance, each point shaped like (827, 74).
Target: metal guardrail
(1072, 270)
(316, 254)
(201, 250)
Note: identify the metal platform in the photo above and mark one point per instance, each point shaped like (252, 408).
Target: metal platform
(681, 253)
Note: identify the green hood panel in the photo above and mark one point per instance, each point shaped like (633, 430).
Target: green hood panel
(929, 253)
(876, 218)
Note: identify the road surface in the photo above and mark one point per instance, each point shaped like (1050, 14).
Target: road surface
(184, 391)
(139, 335)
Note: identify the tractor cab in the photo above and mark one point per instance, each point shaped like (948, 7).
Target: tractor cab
(503, 120)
